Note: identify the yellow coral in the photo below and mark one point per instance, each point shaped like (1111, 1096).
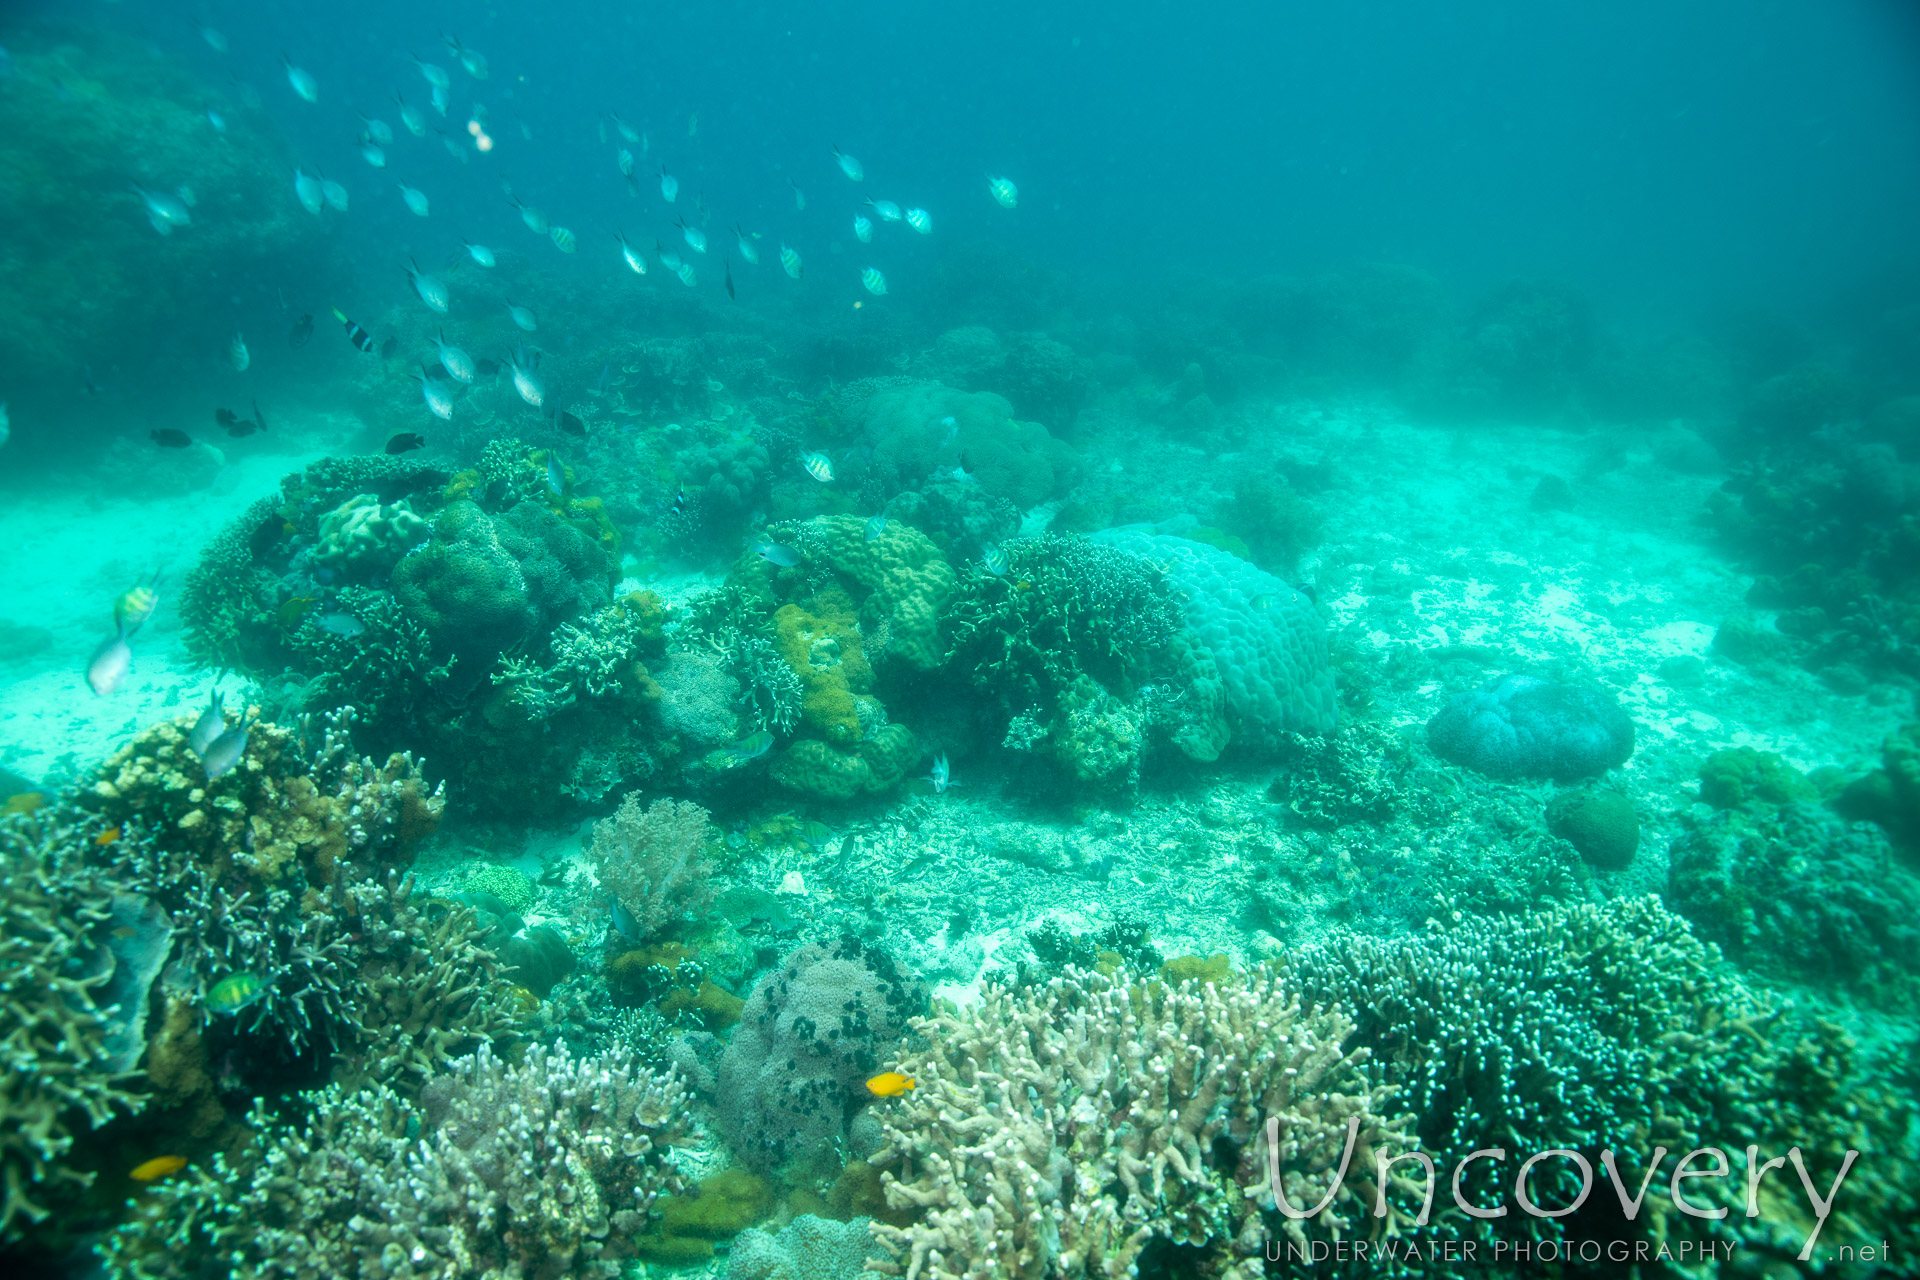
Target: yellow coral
(823, 646)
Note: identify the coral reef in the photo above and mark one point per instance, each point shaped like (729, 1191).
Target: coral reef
(1258, 649)
(917, 428)
(57, 1021)
(1600, 824)
(653, 860)
(1890, 794)
(1520, 726)
(364, 536)
(550, 1168)
(811, 1034)
(808, 1248)
(715, 1208)
(1063, 1128)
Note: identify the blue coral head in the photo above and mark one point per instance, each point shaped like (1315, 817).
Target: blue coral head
(1522, 726)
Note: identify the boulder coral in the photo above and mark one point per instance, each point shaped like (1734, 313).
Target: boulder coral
(364, 536)
(919, 428)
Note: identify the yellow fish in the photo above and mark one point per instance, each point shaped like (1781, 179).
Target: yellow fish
(25, 802)
(106, 837)
(158, 1167)
(134, 607)
(889, 1084)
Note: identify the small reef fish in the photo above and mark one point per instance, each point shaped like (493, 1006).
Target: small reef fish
(474, 62)
(110, 836)
(569, 423)
(334, 194)
(627, 131)
(218, 121)
(679, 501)
(164, 211)
(685, 272)
(211, 724)
(669, 186)
(235, 992)
(790, 261)
(920, 220)
(225, 751)
(355, 334)
(415, 198)
(377, 130)
(301, 79)
(432, 289)
(887, 209)
(435, 75)
(747, 248)
(696, 238)
(457, 363)
(862, 228)
(623, 922)
(854, 170)
(536, 221)
(774, 553)
(818, 465)
(410, 116)
(1004, 191)
(556, 475)
(563, 239)
(158, 1167)
(342, 624)
(170, 438)
(749, 748)
(623, 158)
(438, 98)
(307, 189)
(479, 253)
(727, 276)
(799, 197)
(216, 39)
(668, 259)
(635, 259)
(522, 316)
(24, 802)
(107, 669)
(389, 348)
(439, 399)
(993, 558)
(889, 1084)
(134, 606)
(876, 527)
(234, 425)
(238, 354)
(942, 775)
(875, 282)
(370, 152)
(406, 442)
(525, 380)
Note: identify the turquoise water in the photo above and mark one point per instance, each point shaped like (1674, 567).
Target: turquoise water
(799, 644)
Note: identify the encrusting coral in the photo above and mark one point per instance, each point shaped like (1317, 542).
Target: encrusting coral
(1061, 1129)
(548, 1168)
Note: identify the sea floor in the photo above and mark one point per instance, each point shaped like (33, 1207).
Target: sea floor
(1434, 542)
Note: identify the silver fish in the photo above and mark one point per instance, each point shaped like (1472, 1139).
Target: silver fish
(862, 229)
(455, 361)
(439, 399)
(669, 186)
(107, 669)
(848, 165)
(334, 194)
(556, 475)
(746, 246)
(433, 74)
(536, 221)
(432, 289)
(377, 130)
(216, 39)
(370, 152)
(302, 81)
(165, 211)
(1004, 191)
(237, 353)
(799, 197)
(696, 238)
(626, 130)
(342, 624)
(942, 775)
(522, 316)
(887, 209)
(410, 116)
(224, 752)
(211, 724)
(438, 97)
(635, 259)
(774, 553)
(416, 199)
(525, 378)
(479, 253)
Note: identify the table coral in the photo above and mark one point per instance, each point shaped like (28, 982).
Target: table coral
(1060, 1129)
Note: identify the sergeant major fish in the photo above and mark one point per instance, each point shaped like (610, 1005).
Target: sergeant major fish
(790, 261)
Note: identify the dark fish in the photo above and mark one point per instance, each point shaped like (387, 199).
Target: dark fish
(259, 418)
(211, 724)
(729, 277)
(302, 330)
(388, 347)
(570, 424)
(624, 924)
(226, 418)
(355, 334)
(486, 368)
(406, 442)
(168, 438)
(397, 487)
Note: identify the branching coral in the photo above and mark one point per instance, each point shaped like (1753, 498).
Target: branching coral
(1059, 1130)
(653, 860)
(549, 1168)
(54, 1028)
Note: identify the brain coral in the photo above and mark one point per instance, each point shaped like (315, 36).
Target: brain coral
(1267, 645)
(909, 429)
(365, 536)
(1520, 726)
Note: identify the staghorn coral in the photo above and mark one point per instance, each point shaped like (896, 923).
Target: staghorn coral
(548, 1168)
(1060, 1129)
(653, 860)
(56, 1022)
(386, 671)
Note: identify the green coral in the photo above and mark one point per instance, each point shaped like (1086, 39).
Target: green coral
(908, 427)
(511, 887)
(720, 1207)
(876, 764)
(1890, 795)
(1601, 824)
(365, 536)
(1740, 776)
(822, 643)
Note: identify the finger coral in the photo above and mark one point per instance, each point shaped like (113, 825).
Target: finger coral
(1062, 1129)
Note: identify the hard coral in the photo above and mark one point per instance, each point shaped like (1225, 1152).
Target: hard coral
(1520, 726)
(908, 428)
(548, 1168)
(365, 536)
(1062, 1129)
(653, 860)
